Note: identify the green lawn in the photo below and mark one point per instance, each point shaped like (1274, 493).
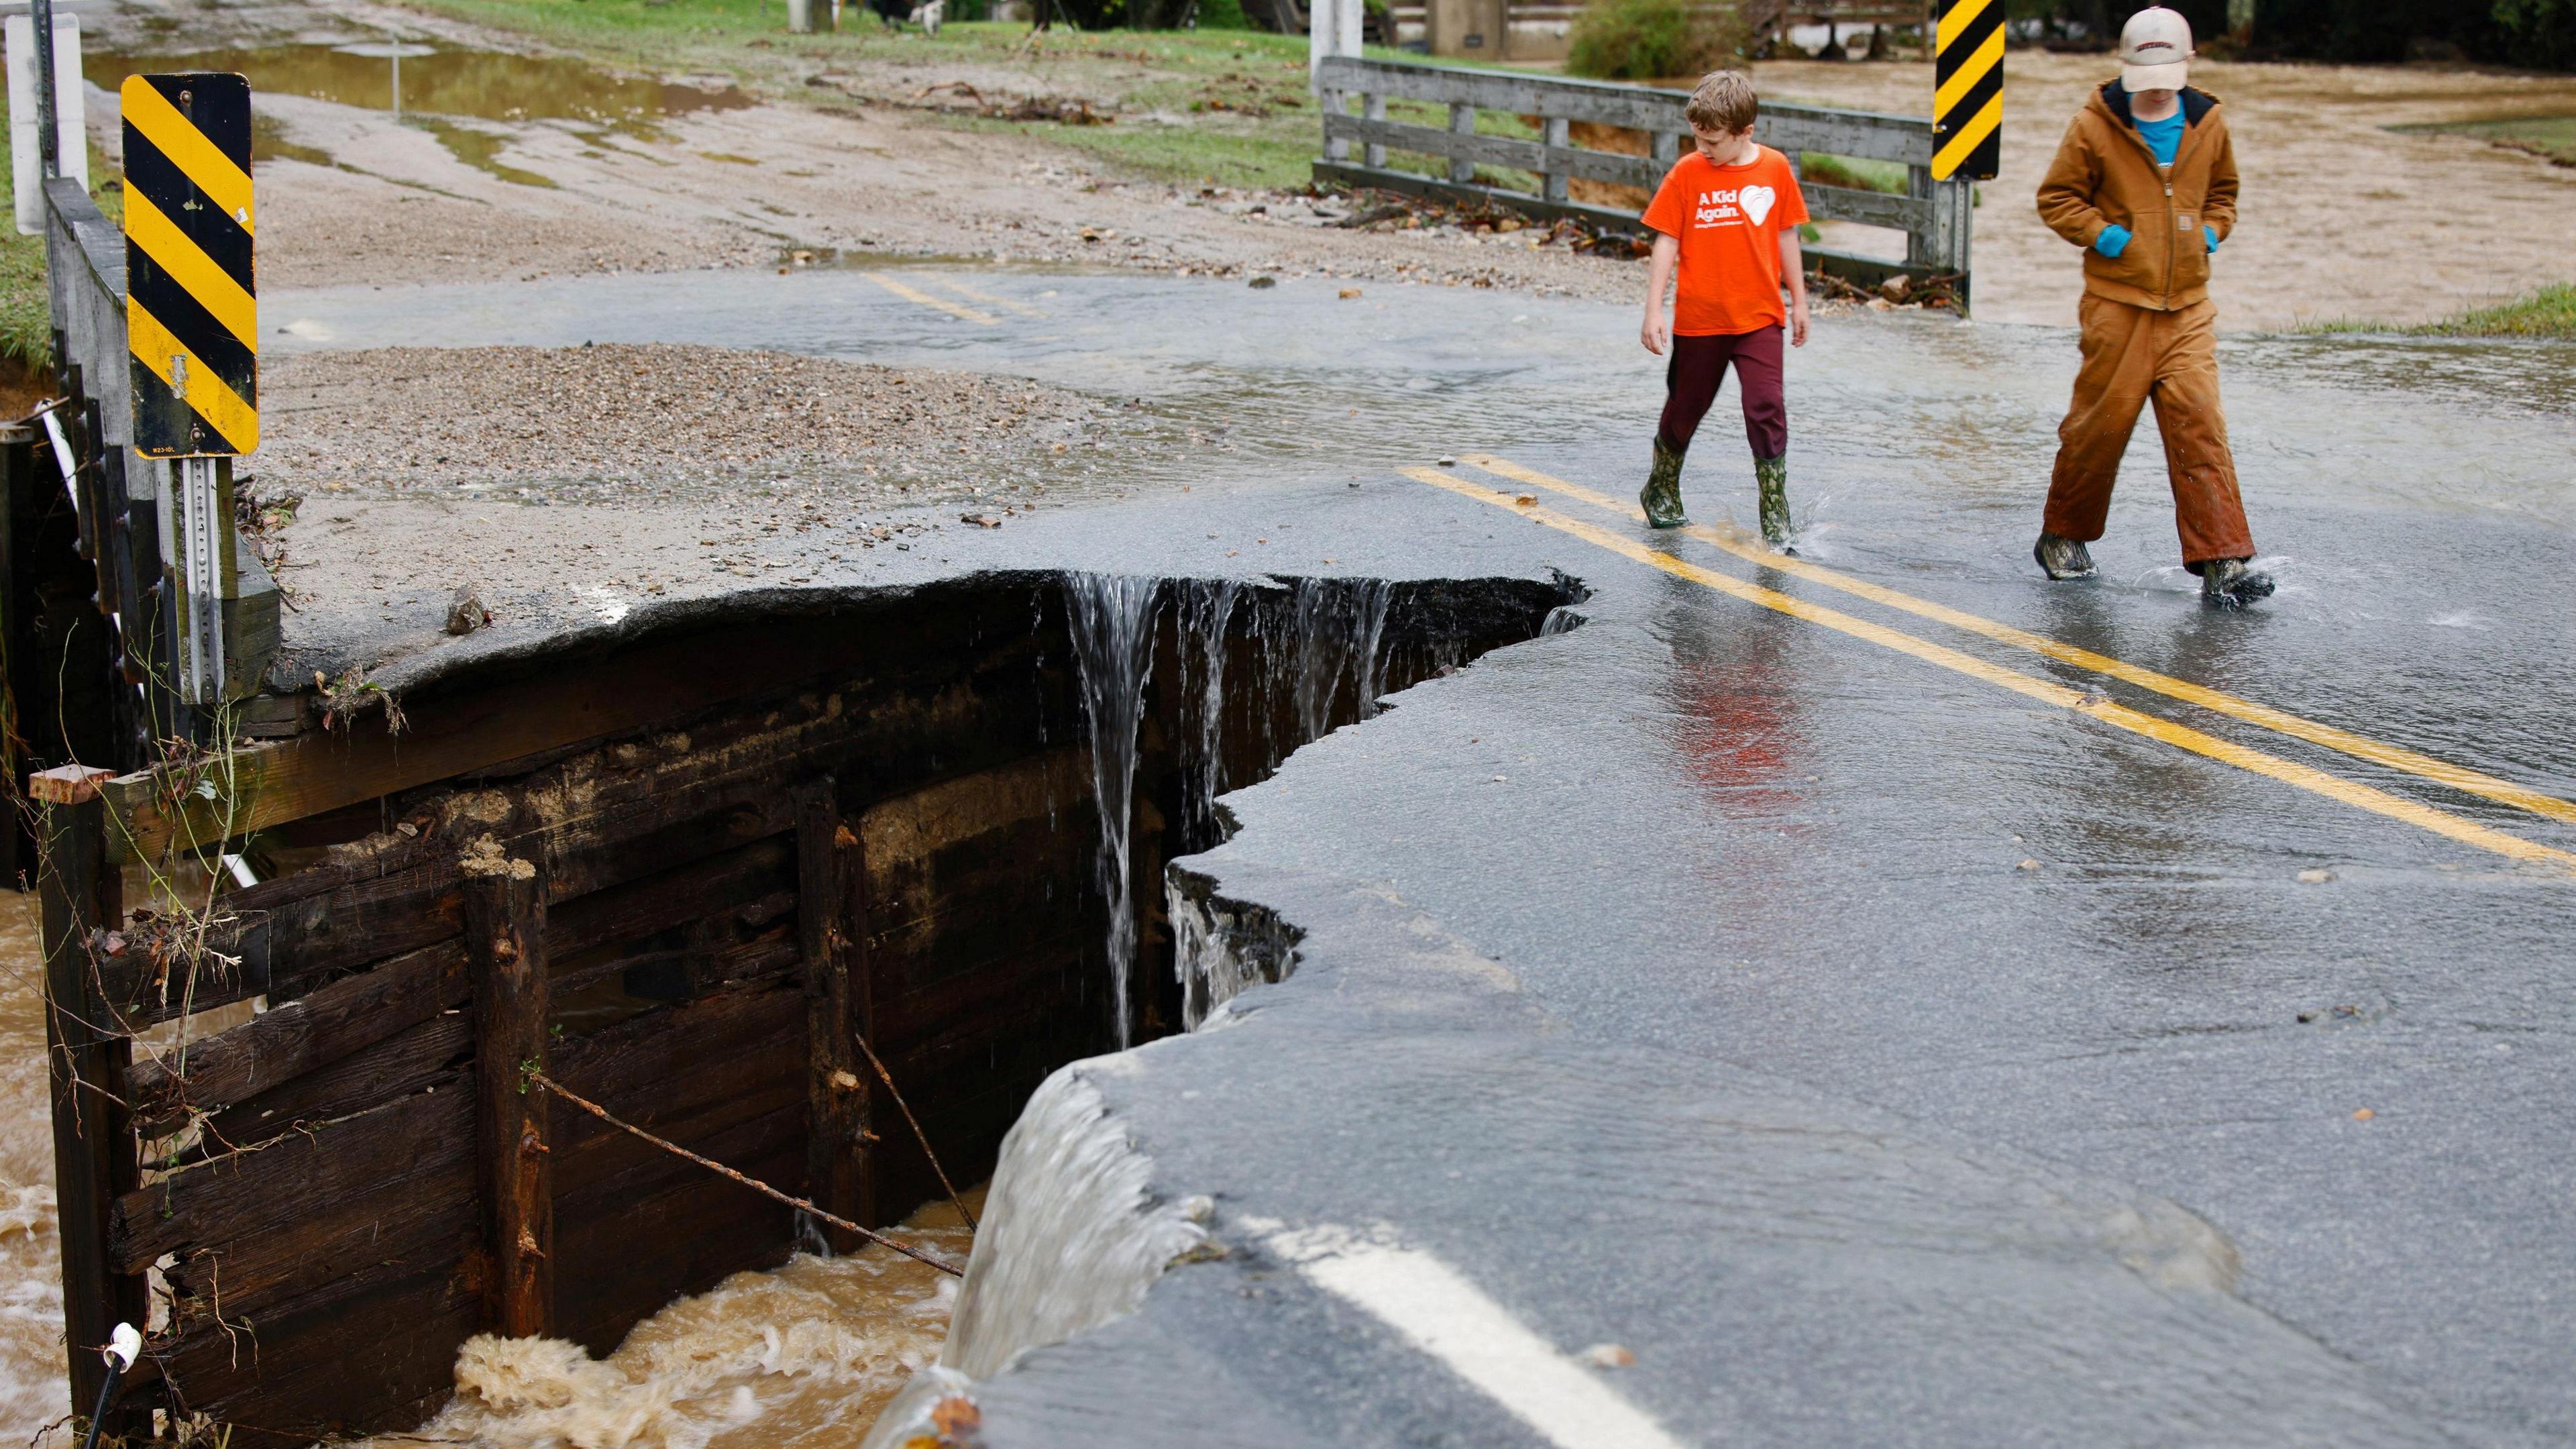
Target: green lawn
(2549, 312)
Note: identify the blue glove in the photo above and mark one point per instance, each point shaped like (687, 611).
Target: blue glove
(2113, 241)
(2211, 232)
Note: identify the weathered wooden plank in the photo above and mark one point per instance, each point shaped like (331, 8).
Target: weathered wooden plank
(416, 1224)
(274, 1187)
(653, 682)
(337, 1368)
(836, 1092)
(300, 1036)
(1869, 208)
(1872, 135)
(505, 951)
(703, 1230)
(429, 1055)
(95, 1154)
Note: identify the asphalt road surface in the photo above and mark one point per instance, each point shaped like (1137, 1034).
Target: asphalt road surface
(1888, 996)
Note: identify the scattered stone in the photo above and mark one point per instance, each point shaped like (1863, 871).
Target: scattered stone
(465, 612)
(2027, 864)
(980, 520)
(1259, 284)
(1446, 461)
(2363, 1115)
(1607, 1355)
(1349, 292)
(2315, 877)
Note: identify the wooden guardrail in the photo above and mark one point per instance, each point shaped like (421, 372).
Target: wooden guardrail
(1934, 215)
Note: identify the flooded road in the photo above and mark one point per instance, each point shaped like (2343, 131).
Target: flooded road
(1863, 1017)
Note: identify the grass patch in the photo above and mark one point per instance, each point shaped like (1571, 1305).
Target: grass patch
(26, 312)
(2549, 312)
(1211, 105)
(1854, 172)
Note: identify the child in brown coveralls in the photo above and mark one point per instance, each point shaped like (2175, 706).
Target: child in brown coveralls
(2145, 182)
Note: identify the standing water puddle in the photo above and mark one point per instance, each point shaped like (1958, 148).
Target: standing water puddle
(432, 87)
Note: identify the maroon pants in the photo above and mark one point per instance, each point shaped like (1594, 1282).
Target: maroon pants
(1699, 364)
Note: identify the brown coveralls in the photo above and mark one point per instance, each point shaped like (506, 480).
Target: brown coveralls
(2150, 330)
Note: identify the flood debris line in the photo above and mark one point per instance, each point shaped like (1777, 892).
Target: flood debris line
(540, 1079)
(1930, 291)
(1373, 210)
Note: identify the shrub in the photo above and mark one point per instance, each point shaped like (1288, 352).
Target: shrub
(1653, 39)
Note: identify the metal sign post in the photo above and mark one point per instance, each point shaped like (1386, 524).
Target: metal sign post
(1968, 90)
(192, 325)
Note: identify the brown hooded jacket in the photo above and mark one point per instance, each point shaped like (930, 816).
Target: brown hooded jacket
(2104, 175)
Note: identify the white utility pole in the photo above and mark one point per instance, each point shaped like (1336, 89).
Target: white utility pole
(1332, 28)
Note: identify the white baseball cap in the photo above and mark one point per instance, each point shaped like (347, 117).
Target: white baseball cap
(2155, 50)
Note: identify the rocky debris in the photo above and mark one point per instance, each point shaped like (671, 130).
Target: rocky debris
(1933, 291)
(400, 419)
(465, 612)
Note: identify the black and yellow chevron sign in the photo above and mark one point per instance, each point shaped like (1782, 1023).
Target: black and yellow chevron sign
(190, 317)
(1968, 90)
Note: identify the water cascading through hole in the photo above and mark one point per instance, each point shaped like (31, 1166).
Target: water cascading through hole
(1206, 610)
(1112, 622)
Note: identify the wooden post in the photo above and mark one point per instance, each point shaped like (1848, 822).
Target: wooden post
(837, 1093)
(1336, 148)
(1552, 183)
(505, 926)
(95, 1155)
(1462, 122)
(1373, 107)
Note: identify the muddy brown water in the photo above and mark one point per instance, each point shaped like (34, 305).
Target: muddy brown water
(802, 1356)
(482, 84)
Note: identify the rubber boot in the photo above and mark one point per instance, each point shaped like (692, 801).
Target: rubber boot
(2227, 583)
(2063, 558)
(1771, 478)
(1662, 495)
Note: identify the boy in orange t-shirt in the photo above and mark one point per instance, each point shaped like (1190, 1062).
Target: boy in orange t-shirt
(1728, 213)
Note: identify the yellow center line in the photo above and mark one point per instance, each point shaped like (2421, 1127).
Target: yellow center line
(911, 294)
(972, 294)
(2315, 781)
(2361, 747)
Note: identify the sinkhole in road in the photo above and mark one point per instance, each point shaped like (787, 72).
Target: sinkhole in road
(937, 819)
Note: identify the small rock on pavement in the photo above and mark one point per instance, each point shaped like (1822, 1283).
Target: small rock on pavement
(2027, 864)
(980, 520)
(2315, 877)
(2363, 1115)
(1446, 462)
(1607, 1355)
(465, 612)
(1259, 283)
(1349, 292)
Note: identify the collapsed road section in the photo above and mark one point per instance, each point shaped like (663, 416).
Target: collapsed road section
(683, 876)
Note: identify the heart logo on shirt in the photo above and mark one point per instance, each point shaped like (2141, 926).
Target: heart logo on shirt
(1756, 201)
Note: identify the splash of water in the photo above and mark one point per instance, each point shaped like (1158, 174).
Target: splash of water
(806, 1353)
(1074, 1233)
(1112, 621)
(1206, 610)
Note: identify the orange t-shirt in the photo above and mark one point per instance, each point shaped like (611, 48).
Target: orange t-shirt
(1728, 220)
